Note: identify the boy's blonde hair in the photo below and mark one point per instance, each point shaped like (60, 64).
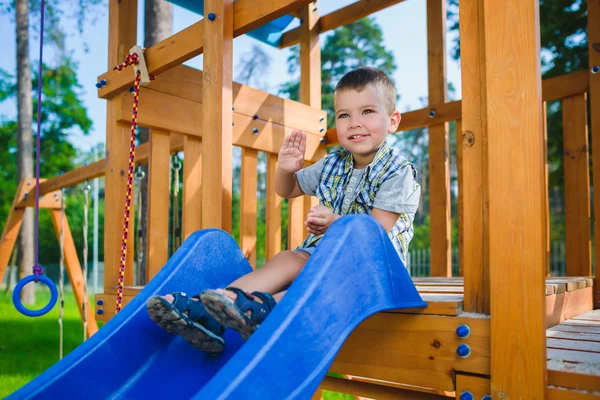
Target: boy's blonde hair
(359, 78)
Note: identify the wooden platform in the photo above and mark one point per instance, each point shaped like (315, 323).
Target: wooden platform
(573, 350)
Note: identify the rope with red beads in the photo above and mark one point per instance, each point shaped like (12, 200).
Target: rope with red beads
(132, 59)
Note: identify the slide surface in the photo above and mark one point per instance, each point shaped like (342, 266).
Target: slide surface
(354, 273)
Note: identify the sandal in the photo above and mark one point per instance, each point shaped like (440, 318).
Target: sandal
(232, 313)
(188, 319)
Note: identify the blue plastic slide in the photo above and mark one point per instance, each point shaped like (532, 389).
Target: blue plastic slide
(354, 273)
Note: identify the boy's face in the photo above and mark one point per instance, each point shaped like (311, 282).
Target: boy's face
(363, 122)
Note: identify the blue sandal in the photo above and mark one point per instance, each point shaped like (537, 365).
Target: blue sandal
(232, 314)
(188, 319)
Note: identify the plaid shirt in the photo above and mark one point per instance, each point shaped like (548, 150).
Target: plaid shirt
(337, 169)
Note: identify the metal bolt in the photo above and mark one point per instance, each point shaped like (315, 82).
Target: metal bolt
(100, 312)
(100, 302)
(501, 395)
(431, 113)
(595, 69)
(255, 116)
(255, 131)
(321, 119)
(211, 16)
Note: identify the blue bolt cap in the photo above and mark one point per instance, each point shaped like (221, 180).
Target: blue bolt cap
(100, 312)
(466, 396)
(255, 116)
(211, 16)
(486, 397)
(255, 130)
(463, 331)
(595, 69)
(463, 350)
(100, 302)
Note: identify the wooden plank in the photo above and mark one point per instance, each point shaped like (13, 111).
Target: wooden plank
(589, 316)
(564, 306)
(546, 190)
(565, 394)
(460, 200)
(572, 335)
(310, 94)
(575, 83)
(74, 177)
(371, 391)
(248, 204)
(475, 262)
(515, 182)
(437, 304)
(159, 172)
(577, 186)
(574, 356)
(9, 237)
(576, 328)
(440, 289)
(74, 271)
(439, 144)
(192, 186)
(563, 344)
(188, 43)
(341, 17)
(478, 386)
(217, 116)
(273, 206)
(426, 355)
(593, 9)
(397, 385)
(121, 37)
(572, 379)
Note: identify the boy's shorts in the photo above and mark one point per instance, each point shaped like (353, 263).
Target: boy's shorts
(308, 250)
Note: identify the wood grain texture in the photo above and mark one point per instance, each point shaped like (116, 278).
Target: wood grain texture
(516, 183)
(192, 186)
(439, 144)
(248, 204)
(577, 186)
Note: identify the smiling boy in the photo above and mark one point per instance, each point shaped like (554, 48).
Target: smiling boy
(367, 176)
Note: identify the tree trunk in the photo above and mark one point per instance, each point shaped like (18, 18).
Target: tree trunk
(158, 25)
(24, 143)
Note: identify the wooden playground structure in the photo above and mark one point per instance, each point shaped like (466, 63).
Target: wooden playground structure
(531, 336)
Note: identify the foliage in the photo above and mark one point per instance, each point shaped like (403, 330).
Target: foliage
(356, 44)
(62, 114)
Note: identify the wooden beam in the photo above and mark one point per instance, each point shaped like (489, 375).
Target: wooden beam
(159, 172)
(188, 43)
(217, 116)
(74, 271)
(169, 113)
(372, 391)
(310, 94)
(121, 37)
(273, 209)
(577, 186)
(192, 186)
(248, 204)
(513, 106)
(74, 177)
(478, 386)
(593, 9)
(341, 17)
(475, 260)
(565, 85)
(439, 144)
(460, 205)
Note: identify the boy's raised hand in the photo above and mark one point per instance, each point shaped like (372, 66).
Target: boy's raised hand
(291, 154)
(319, 219)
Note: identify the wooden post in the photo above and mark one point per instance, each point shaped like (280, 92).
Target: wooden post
(248, 204)
(439, 148)
(461, 185)
(121, 37)
(475, 258)
(216, 109)
(507, 47)
(577, 186)
(310, 93)
(593, 9)
(273, 217)
(159, 170)
(546, 187)
(192, 186)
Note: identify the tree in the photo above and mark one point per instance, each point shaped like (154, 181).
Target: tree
(62, 113)
(350, 46)
(56, 35)
(158, 25)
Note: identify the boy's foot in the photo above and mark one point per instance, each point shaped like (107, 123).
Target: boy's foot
(187, 317)
(237, 309)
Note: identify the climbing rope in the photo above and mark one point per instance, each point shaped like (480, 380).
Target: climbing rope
(132, 59)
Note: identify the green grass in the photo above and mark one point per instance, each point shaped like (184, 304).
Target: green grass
(29, 346)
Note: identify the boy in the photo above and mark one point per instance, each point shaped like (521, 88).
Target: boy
(366, 177)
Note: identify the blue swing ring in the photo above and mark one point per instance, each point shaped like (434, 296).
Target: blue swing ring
(16, 297)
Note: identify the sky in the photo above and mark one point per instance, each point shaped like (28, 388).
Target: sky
(404, 32)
